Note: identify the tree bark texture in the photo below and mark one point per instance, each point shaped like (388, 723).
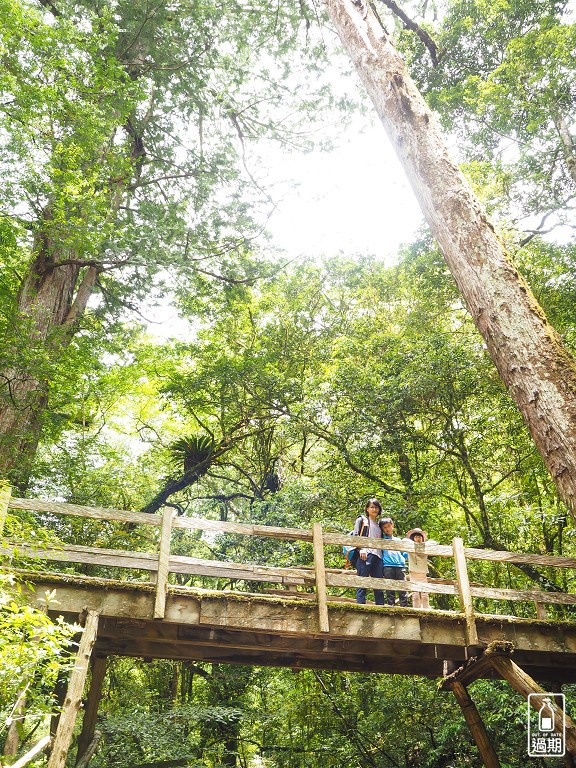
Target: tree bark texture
(52, 296)
(538, 371)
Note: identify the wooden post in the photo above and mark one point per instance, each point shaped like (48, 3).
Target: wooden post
(464, 590)
(65, 729)
(163, 563)
(541, 612)
(524, 684)
(91, 710)
(13, 736)
(318, 543)
(29, 756)
(5, 494)
(89, 753)
(477, 728)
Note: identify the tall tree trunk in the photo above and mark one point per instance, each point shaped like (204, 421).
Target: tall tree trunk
(536, 368)
(50, 299)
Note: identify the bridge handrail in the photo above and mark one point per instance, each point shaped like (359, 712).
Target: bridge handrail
(123, 516)
(296, 534)
(164, 562)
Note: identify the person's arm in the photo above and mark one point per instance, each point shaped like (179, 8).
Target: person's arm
(357, 529)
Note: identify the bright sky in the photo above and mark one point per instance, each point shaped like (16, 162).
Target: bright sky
(354, 199)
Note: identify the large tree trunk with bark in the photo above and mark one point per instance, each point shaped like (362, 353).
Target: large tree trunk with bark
(536, 368)
(52, 296)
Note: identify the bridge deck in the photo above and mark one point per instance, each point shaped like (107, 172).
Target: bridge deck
(274, 631)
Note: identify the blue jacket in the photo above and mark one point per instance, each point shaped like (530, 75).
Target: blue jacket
(393, 557)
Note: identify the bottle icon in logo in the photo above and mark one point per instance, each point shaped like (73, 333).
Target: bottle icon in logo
(546, 716)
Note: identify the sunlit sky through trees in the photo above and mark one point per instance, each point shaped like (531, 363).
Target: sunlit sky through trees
(353, 199)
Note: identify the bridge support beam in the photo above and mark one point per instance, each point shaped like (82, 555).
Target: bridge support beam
(65, 729)
(525, 685)
(496, 660)
(476, 726)
(91, 709)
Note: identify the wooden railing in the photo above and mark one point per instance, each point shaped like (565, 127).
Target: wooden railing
(162, 563)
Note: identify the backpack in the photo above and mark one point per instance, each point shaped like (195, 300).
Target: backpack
(351, 554)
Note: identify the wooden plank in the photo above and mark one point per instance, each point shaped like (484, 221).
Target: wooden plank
(198, 566)
(464, 591)
(308, 596)
(541, 612)
(65, 729)
(498, 556)
(94, 513)
(197, 523)
(163, 563)
(352, 581)
(5, 494)
(194, 523)
(323, 622)
(241, 571)
(31, 754)
(476, 726)
(524, 685)
(71, 553)
(560, 598)
(91, 709)
(148, 561)
(123, 516)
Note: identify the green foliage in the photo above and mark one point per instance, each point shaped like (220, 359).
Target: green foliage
(505, 85)
(34, 651)
(317, 385)
(125, 132)
(189, 452)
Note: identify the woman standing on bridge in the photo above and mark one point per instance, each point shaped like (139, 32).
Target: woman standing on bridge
(369, 561)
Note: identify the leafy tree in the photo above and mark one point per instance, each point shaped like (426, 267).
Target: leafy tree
(123, 126)
(537, 370)
(34, 651)
(505, 85)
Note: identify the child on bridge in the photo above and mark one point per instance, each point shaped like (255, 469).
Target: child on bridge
(418, 565)
(394, 564)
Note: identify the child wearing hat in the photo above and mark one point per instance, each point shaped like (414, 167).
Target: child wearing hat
(418, 566)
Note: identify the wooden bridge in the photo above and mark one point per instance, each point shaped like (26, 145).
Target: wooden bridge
(302, 616)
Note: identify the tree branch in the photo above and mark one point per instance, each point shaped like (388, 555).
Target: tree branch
(82, 297)
(51, 7)
(435, 54)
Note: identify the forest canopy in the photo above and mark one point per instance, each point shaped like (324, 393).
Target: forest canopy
(301, 387)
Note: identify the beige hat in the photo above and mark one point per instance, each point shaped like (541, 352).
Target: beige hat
(410, 534)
